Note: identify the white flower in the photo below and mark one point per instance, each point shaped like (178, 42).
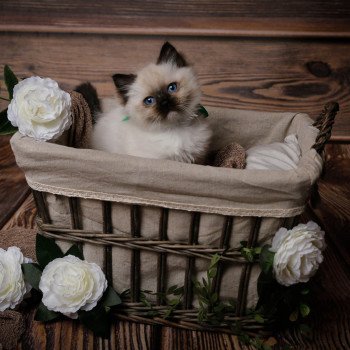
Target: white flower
(12, 285)
(298, 253)
(70, 284)
(40, 109)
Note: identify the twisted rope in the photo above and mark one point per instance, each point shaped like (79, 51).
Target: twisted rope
(80, 131)
(124, 241)
(188, 319)
(325, 123)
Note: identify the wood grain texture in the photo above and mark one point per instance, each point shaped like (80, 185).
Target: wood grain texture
(70, 335)
(270, 75)
(331, 318)
(334, 209)
(13, 188)
(194, 17)
(24, 216)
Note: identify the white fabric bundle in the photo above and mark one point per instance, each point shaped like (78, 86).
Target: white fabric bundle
(275, 156)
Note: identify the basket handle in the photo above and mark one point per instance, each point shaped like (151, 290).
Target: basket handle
(325, 123)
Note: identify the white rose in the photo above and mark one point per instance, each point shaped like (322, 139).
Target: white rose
(12, 285)
(298, 253)
(40, 109)
(70, 284)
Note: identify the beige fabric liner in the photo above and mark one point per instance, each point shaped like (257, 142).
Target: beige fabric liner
(119, 178)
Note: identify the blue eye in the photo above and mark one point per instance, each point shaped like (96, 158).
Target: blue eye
(150, 100)
(172, 87)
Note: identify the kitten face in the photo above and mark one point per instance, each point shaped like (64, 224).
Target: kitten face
(162, 94)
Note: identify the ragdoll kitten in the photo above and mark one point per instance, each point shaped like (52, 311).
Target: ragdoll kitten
(158, 116)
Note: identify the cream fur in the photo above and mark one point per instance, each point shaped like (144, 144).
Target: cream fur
(182, 136)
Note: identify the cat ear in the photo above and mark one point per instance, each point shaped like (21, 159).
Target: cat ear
(122, 83)
(168, 54)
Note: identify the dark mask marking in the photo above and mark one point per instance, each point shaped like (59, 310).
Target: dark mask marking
(165, 103)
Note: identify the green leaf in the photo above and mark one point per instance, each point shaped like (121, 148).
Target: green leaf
(110, 298)
(179, 291)
(266, 347)
(219, 307)
(294, 316)
(243, 243)
(256, 343)
(145, 301)
(32, 274)
(43, 314)
(204, 300)
(97, 320)
(46, 250)
(3, 118)
(244, 338)
(167, 313)
(214, 260)
(258, 318)
(305, 291)
(212, 272)
(305, 330)
(247, 254)
(214, 297)
(75, 251)
(125, 294)
(152, 313)
(6, 128)
(266, 259)
(304, 310)
(233, 302)
(10, 80)
(204, 281)
(257, 250)
(196, 284)
(266, 287)
(201, 110)
(173, 302)
(172, 289)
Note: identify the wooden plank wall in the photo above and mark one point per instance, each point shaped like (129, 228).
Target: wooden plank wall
(192, 17)
(262, 55)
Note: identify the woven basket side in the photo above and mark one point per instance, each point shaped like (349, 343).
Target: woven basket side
(103, 243)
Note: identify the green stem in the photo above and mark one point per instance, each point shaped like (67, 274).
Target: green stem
(5, 99)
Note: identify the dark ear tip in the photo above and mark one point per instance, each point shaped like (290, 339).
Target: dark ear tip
(125, 79)
(167, 45)
(116, 76)
(168, 53)
(122, 83)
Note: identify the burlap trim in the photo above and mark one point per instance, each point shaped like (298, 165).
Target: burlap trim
(275, 213)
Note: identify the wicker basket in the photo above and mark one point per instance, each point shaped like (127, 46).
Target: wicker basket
(139, 247)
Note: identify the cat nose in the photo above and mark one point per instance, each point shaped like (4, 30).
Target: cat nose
(164, 103)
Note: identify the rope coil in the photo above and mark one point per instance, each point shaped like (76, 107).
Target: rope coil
(325, 124)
